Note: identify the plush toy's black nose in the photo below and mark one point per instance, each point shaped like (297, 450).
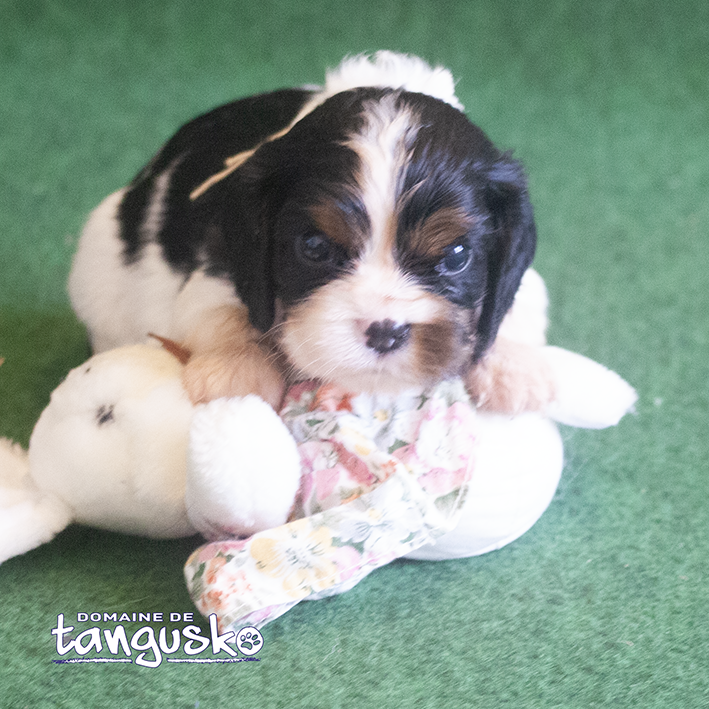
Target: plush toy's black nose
(386, 336)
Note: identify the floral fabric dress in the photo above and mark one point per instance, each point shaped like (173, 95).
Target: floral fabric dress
(381, 476)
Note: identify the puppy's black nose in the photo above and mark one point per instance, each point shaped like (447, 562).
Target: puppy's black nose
(386, 336)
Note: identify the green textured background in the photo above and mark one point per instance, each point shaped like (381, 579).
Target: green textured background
(605, 601)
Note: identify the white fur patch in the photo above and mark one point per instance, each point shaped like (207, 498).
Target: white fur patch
(382, 145)
(155, 215)
(387, 70)
(392, 70)
(120, 304)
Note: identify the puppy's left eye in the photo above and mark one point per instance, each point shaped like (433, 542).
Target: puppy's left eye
(456, 258)
(316, 248)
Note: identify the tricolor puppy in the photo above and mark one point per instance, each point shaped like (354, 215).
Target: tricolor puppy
(365, 233)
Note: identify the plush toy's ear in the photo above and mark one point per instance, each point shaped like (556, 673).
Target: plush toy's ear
(180, 353)
(511, 248)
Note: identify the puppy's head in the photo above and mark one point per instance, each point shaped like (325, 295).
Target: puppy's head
(385, 239)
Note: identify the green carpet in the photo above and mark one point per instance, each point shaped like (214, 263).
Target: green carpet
(604, 602)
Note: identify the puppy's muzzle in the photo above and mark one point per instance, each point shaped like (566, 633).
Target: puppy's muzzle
(385, 336)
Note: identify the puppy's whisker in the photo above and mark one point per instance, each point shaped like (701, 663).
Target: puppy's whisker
(302, 367)
(275, 327)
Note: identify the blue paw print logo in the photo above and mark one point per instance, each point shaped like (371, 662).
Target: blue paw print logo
(249, 641)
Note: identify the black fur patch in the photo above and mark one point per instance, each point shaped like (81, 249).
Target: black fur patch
(193, 154)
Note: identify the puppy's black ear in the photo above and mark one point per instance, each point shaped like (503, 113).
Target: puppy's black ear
(247, 241)
(511, 248)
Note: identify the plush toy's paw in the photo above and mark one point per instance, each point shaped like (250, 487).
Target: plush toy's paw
(249, 371)
(244, 468)
(28, 516)
(587, 394)
(511, 379)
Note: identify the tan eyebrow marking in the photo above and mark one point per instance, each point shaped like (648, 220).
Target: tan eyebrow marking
(333, 222)
(444, 227)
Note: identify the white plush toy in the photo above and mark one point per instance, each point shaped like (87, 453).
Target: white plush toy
(120, 447)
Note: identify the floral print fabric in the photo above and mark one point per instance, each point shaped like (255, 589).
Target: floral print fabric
(381, 477)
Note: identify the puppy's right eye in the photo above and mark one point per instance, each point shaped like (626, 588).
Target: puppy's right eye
(455, 259)
(316, 248)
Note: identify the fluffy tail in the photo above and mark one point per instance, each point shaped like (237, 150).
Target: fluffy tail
(28, 516)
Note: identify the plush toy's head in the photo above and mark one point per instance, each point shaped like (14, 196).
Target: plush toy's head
(113, 443)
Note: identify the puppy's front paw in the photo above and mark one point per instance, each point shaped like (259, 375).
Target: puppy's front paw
(511, 379)
(211, 376)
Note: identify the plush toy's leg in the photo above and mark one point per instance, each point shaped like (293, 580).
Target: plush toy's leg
(28, 516)
(587, 394)
(517, 469)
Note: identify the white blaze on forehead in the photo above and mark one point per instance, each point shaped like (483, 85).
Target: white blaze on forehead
(383, 145)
